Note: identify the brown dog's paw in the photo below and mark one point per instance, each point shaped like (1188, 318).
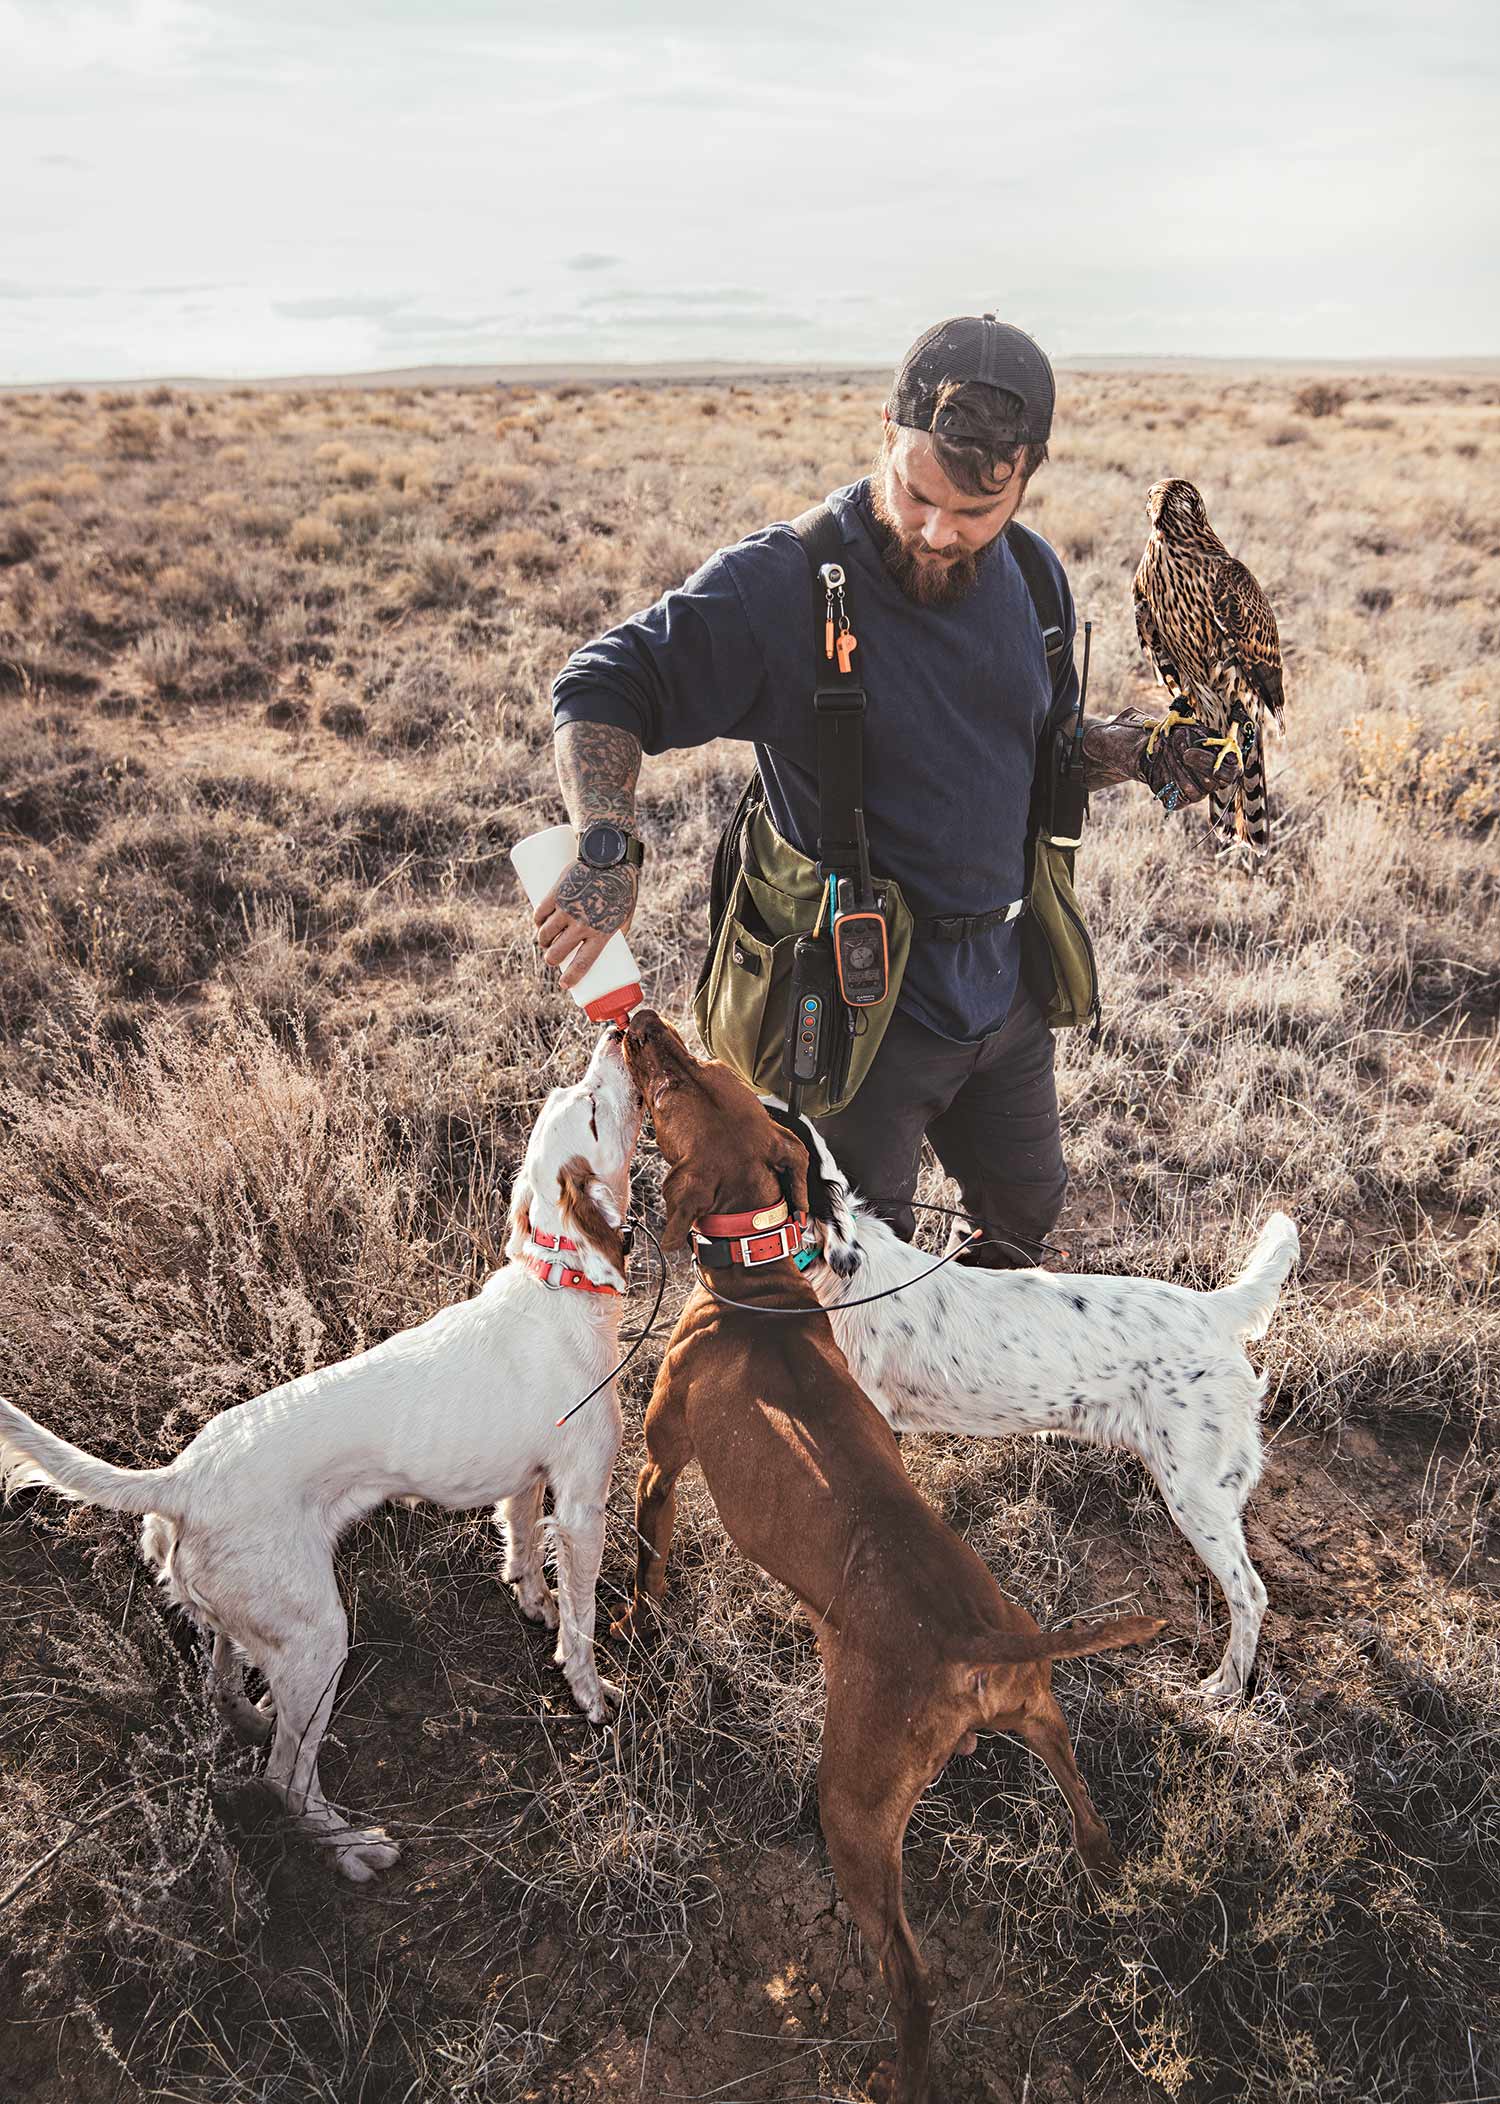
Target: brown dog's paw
(1101, 1859)
(886, 2087)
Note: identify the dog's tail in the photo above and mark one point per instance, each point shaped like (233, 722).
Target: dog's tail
(30, 1455)
(1248, 1302)
(1069, 1643)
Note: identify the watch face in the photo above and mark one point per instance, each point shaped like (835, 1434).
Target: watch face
(602, 846)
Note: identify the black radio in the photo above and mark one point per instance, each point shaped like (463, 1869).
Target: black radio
(811, 1014)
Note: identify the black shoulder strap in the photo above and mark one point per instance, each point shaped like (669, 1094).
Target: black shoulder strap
(1040, 580)
(1059, 800)
(822, 541)
(839, 699)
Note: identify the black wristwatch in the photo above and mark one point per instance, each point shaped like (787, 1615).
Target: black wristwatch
(606, 846)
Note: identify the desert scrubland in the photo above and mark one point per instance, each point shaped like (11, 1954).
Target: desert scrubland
(274, 675)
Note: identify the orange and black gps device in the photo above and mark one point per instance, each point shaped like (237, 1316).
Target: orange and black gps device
(860, 947)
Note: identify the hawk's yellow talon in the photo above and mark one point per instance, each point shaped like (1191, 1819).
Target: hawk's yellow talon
(1225, 746)
(1167, 723)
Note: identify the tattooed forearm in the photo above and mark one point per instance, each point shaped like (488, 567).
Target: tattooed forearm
(602, 898)
(597, 766)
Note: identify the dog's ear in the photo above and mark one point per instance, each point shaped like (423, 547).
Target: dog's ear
(788, 1158)
(828, 1204)
(588, 1207)
(687, 1196)
(833, 1209)
(521, 1195)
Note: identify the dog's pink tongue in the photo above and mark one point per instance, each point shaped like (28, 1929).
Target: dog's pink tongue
(614, 1007)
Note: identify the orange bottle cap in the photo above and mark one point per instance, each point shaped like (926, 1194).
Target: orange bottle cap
(613, 1007)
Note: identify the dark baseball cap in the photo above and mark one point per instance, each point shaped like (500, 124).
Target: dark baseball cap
(975, 347)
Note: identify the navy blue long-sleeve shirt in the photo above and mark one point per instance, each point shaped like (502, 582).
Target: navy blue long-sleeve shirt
(956, 698)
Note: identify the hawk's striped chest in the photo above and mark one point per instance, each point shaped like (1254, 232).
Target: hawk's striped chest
(1174, 585)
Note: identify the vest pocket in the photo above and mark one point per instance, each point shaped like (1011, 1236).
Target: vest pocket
(740, 1010)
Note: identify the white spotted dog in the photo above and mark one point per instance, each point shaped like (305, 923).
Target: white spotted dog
(1119, 1362)
(461, 1411)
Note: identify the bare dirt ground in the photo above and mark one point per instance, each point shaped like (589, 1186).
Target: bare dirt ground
(274, 670)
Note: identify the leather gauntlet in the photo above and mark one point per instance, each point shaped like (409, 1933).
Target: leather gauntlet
(1179, 771)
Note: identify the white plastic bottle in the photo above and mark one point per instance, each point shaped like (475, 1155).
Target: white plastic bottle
(611, 986)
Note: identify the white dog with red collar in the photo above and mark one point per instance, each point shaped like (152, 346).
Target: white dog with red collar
(460, 1411)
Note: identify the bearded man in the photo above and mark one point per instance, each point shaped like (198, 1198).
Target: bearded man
(958, 689)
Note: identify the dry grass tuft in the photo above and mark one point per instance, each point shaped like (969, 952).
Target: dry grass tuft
(315, 537)
(1321, 398)
(527, 550)
(437, 577)
(359, 517)
(133, 434)
(358, 470)
(19, 542)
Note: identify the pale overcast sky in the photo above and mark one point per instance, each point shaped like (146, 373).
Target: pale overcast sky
(274, 186)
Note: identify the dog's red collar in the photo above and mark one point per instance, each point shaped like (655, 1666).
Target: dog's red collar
(543, 1267)
(717, 1224)
(763, 1236)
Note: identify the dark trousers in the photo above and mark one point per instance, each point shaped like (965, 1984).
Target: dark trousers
(990, 1111)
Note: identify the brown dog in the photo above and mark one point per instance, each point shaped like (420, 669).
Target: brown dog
(920, 1647)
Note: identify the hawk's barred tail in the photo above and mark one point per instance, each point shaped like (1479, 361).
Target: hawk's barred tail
(1244, 812)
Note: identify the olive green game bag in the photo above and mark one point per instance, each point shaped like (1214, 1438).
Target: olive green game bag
(1057, 955)
(772, 894)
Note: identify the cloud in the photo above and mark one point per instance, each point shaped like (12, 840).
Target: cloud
(665, 326)
(144, 37)
(439, 327)
(760, 318)
(675, 310)
(49, 292)
(397, 320)
(704, 296)
(339, 307)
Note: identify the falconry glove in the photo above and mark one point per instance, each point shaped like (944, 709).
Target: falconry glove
(1176, 765)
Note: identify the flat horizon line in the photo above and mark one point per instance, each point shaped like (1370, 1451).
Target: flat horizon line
(546, 371)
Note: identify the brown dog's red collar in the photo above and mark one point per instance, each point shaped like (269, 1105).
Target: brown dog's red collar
(716, 1225)
(762, 1237)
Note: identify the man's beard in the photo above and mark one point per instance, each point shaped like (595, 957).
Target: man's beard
(930, 581)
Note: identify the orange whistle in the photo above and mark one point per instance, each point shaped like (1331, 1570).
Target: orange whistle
(828, 637)
(847, 647)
